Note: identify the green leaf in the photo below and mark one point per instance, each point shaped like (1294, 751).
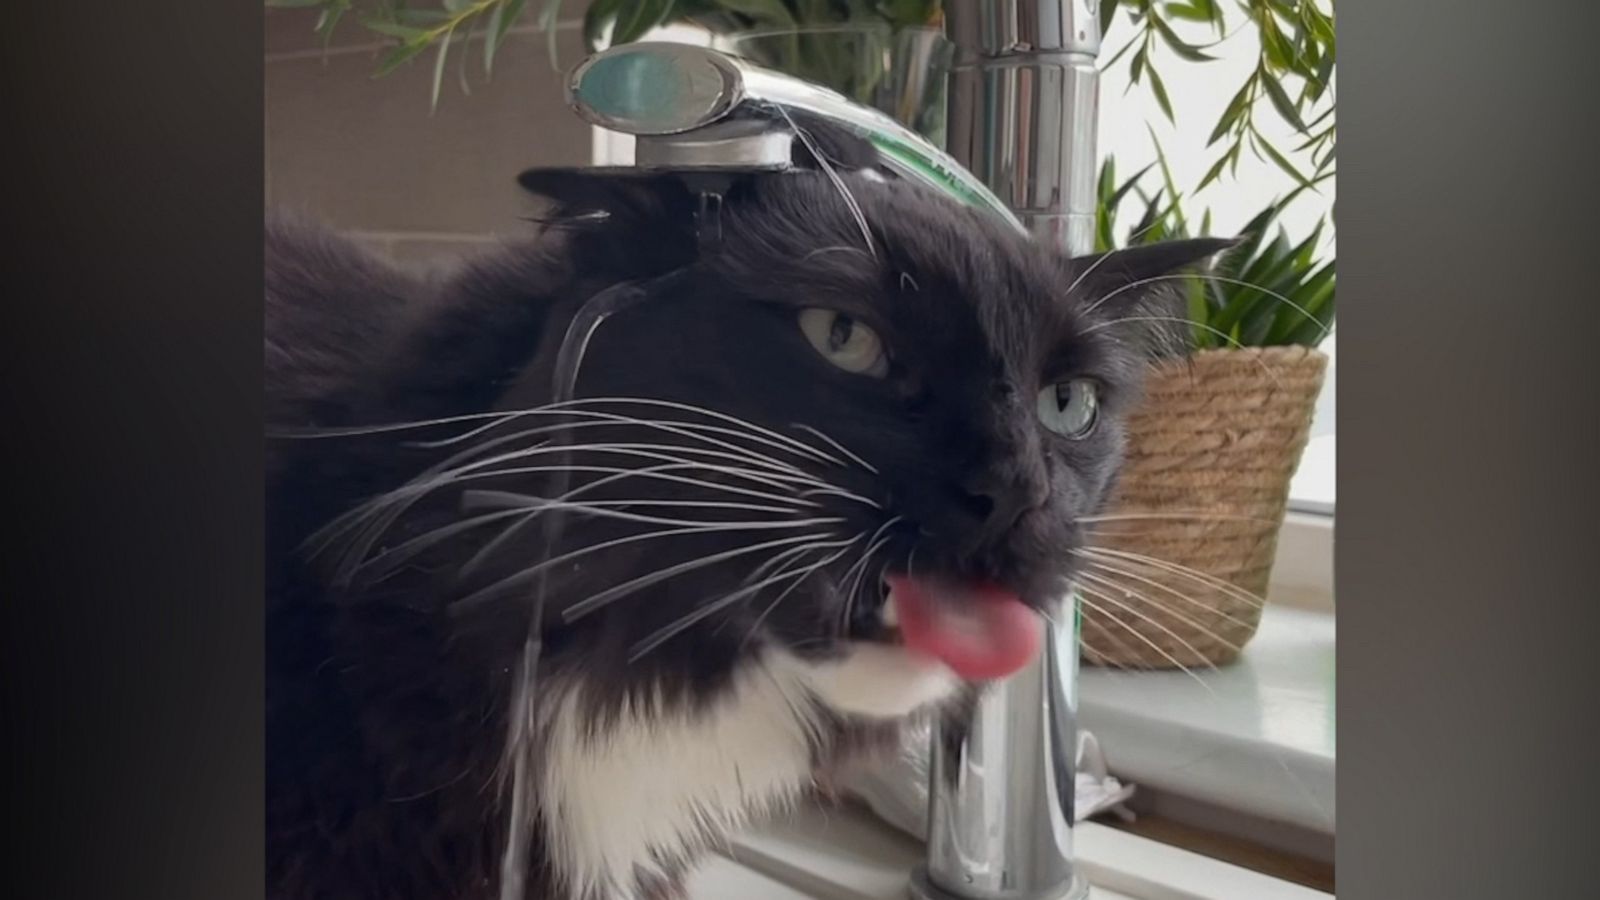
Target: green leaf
(1213, 173)
(1167, 180)
(1272, 44)
(1116, 57)
(631, 27)
(1160, 90)
(1309, 298)
(501, 19)
(1315, 139)
(1308, 247)
(329, 21)
(1120, 192)
(1245, 300)
(1108, 178)
(1278, 304)
(1108, 11)
(438, 67)
(1189, 12)
(1104, 234)
(765, 12)
(1232, 112)
(393, 29)
(1138, 65)
(398, 55)
(1187, 51)
(421, 16)
(1141, 229)
(1280, 100)
(1253, 328)
(1281, 160)
(549, 15)
(599, 14)
(1321, 117)
(1310, 334)
(1198, 315)
(294, 4)
(900, 13)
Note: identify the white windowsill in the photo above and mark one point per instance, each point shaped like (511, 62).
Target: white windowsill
(847, 854)
(1255, 740)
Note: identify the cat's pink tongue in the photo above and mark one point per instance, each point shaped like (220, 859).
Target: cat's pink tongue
(979, 631)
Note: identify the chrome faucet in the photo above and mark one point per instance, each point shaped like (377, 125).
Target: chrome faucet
(1020, 140)
(1020, 115)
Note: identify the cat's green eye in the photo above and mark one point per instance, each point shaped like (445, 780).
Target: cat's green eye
(845, 342)
(1070, 408)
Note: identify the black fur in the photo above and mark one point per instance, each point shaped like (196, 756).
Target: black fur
(387, 696)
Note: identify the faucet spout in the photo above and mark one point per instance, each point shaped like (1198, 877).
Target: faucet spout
(1021, 112)
(1000, 801)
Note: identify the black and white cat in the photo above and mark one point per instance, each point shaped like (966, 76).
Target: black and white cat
(820, 480)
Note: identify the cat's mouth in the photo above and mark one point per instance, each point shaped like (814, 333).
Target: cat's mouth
(980, 631)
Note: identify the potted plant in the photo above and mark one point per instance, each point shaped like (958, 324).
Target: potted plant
(1182, 556)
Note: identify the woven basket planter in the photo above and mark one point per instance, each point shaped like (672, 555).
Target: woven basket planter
(1211, 451)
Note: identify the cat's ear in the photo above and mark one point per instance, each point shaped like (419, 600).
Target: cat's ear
(626, 197)
(1142, 289)
(628, 220)
(1125, 267)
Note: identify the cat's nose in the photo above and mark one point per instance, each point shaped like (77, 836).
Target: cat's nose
(998, 499)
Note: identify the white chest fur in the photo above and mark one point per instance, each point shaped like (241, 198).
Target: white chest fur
(653, 786)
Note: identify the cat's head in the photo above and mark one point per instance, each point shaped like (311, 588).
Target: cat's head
(857, 406)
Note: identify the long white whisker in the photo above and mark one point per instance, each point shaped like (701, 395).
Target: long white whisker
(833, 176)
(800, 446)
(565, 407)
(1167, 607)
(1110, 635)
(1102, 566)
(1232, 341)
(878, 539)
(529, 574)
(837, 446)
(779, 560)
(1178, 515)
(404, 497)
(657, 452)
(659, 473)
(590, 604)
(1108, 586)
(601, 513)
(478, 499)
(489, 549)
(656, 472)
(396, 556)
(1226, 280)
(1211, 581)
(612, 420)
(756, 626)
(1084, 598)
(700, 613)
(381, 524)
